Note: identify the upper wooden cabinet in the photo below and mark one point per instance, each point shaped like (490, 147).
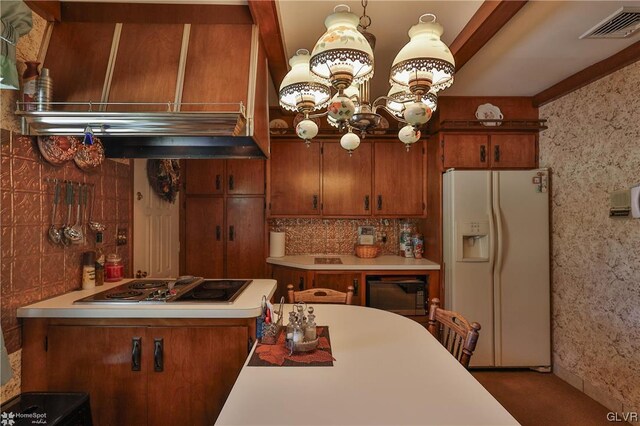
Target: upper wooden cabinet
(399, 179)
(346, 180)
(381, 178)
(493, 150)
(295, 178)
(231, 177)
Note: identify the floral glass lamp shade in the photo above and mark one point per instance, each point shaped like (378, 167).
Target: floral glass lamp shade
(299, 91)
(425, 63)
(342, 55)
(399, 97)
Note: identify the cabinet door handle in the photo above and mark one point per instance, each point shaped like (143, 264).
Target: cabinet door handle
(231, 233)
(218, 232)
(496, 153)
(158, 354)
(315, 202)
(379, 202)
(483, 153)
(301, 284)
(218, 182)
(231, 182)
(366, 202)
(136, 353)
(355, 286)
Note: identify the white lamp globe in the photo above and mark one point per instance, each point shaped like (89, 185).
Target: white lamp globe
(299, 87)
(341, 108)
(350, 141)
(417, 113)
(307, 129)
(400, 96)
(408, 135)
(424, 58)
(342, 55)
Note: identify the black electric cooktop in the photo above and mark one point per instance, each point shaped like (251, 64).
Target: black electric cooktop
(186, 289)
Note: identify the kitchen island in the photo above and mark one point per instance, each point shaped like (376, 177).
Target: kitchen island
(141, 363)
(388, 370)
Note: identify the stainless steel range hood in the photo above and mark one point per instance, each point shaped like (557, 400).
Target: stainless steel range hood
(194, 124)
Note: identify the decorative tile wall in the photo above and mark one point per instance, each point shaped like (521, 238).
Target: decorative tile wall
(593, 148)
(33, 268)
(334, 236)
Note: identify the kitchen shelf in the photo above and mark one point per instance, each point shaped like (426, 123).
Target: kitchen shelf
(142, 119)
(505, 125)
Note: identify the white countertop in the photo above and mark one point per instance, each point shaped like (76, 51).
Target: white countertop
(388, 370)
(247, 305)
(354, 263)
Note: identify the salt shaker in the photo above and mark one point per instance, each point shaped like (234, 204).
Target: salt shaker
(310, 331)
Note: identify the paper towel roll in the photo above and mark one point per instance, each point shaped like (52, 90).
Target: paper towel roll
(276, 244)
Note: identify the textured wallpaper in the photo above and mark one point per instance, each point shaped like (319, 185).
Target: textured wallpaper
(593, 148)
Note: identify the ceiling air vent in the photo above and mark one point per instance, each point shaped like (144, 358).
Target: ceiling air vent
(624, 22)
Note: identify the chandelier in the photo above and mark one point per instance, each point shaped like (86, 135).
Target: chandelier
(342, 63)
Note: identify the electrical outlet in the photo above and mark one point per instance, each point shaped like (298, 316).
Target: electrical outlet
(121, 237)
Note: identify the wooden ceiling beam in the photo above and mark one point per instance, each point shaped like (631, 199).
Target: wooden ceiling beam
(588, 75)
(483, 25)
(49, 10)
(146, 13)
(265, 15)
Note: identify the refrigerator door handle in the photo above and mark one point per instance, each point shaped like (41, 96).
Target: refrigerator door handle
(492, 230)
(497, 284)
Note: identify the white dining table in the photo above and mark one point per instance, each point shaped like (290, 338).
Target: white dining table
(388, 370)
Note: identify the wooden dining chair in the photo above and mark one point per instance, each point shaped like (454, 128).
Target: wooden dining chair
(320, 295)
(454, 332)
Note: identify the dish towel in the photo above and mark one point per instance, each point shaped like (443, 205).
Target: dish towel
(5, 366)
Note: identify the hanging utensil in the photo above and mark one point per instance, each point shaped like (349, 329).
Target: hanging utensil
(93, 225)
(55, 234)
(73, 233)
(66, 229)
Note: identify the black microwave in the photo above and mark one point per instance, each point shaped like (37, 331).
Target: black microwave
(400, 294)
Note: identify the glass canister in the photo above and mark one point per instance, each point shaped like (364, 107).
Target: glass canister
(417, 241)
(406, 230)
(113, 268)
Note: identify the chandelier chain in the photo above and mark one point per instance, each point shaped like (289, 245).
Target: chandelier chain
(365, 20)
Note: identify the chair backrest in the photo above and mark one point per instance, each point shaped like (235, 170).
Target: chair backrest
(454, 332)
(320, 295)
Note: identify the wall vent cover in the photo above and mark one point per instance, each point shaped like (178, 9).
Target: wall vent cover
(621, 24)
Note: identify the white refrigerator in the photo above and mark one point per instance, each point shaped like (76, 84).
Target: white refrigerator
(496, 262)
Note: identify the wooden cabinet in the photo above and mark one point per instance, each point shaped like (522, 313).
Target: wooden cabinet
(493, 150)
(223, 219)
(245, 237)
(346, 180)
(514, 151)
(285, 276)
(304, 279)
(380, 179)
(340, 280)
(399, 179)
(295, 178)
(217, 177)
(140, 372)
(204, 241)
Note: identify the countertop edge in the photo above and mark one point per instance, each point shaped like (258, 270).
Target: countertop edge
(306, 262)
(248, 305)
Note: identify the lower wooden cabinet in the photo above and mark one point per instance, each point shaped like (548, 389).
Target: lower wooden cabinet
(339, 280)
(304, 279)
(139, 372)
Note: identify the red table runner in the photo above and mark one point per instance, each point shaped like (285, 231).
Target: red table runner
(278, 355)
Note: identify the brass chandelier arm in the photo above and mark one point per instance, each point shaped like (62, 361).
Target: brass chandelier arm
(321, 114)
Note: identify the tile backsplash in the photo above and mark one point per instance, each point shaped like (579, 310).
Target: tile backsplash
(334, 236)
(32, 268)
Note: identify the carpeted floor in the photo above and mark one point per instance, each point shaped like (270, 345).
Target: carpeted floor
(542, 398)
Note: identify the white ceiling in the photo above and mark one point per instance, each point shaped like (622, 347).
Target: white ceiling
(536, 49)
